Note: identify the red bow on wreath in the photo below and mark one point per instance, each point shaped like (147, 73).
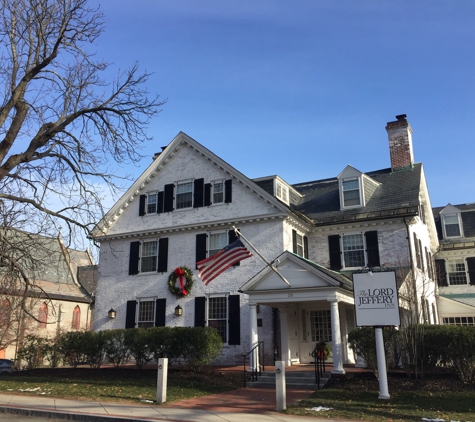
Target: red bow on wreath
(180, 273)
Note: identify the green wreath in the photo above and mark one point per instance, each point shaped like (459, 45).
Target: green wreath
(185, 278)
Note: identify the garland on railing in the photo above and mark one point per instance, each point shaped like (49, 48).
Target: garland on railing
(184, 276)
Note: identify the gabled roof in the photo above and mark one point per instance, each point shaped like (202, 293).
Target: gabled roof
(398, 194)
(320, 276)
(159, 163)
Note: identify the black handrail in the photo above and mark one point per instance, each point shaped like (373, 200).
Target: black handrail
(319, 355)
(256, 370)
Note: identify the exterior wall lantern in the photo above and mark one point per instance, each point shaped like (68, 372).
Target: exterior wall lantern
(111, 313)
(178, 311)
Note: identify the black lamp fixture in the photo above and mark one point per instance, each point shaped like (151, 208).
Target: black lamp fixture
(111, 313)
(178, 311)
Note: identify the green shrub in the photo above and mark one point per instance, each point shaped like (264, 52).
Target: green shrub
(460, 350)
(94, 347)
(201, 345)
(363, 343)
(115, 347)
(71, 345)
(137, 340)
(32, 351)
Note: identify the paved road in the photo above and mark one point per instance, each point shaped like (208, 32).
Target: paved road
(4, 417)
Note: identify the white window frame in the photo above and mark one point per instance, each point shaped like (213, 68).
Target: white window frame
(214, 193)
(209, 299)
(456, 215)
(154, 204)
(300, 244)
(282, 192)
(342, 248)
(452, 269)
(343, 190)
(145, 323)
(143, 256)
(177, 194)
(459, 320)
(224, 235)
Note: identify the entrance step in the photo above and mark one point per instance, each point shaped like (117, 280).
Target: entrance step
(293, 380)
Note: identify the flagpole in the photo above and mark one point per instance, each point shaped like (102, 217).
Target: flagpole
(258, 253)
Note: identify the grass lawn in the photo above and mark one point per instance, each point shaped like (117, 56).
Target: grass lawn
(353, 397)
(121, 385)
(356, 397)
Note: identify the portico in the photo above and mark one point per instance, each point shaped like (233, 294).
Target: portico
(317, 306)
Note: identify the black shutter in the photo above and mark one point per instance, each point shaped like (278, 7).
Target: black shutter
(200, 311)
(294, 241)
(231, 238)
(471, 270)
(168, 198)
(422, 256)
(130, 314)
(198, 193)
(160, 201)
(416, 248)
(207, 194)
(372, 248)
(142, 200)
(160, 307)
(234, 323)
(228, 191)
(335, 253)
(305, 247)
(134, 258)
(201, 246)
(441, 273)
(162, 255)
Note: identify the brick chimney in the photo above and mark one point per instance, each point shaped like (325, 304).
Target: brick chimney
(400, 143)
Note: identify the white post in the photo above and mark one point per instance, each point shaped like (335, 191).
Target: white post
(280, 392)
(336, 338)
(383, 376)
(254, 362)
(162, 377)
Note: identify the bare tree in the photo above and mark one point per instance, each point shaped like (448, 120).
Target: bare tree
(63, 128)
(61, 124)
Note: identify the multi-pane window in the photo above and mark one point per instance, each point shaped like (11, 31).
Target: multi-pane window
(320, 326)
(282, 192)
(468, 320)
(300, 245)
(146, 314)
(184, 195)
(151, 203)
(149, 256)
(351, 192)
(353, 250)
(218, 315)
(217, 241)
(451, 224)
(456, 272)
(218, 192)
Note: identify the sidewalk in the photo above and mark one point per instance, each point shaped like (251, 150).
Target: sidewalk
(232, 406)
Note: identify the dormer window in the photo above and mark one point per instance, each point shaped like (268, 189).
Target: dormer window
(282, 192)
(351, 192)
(451, 225)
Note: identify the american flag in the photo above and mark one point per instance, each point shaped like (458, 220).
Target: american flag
(213, 266)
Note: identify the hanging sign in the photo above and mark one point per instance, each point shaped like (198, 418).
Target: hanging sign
(376, 299)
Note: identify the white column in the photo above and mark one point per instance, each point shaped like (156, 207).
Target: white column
(381, 357)
(253, 337)
(336, 337)
(284, 336)
(280, 389)
(162, 378)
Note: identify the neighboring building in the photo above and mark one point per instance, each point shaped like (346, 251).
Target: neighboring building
(55, 298)
(183, 207)
(455, 263)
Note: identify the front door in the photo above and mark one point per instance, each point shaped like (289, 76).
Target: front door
(315, 327)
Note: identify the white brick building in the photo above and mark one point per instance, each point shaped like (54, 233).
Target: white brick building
(183, 208)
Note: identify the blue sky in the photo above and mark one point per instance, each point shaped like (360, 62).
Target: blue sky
(301, 88)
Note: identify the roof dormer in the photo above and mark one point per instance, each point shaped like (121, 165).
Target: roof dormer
(355, 188)
(451, 222)
(279, 188)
